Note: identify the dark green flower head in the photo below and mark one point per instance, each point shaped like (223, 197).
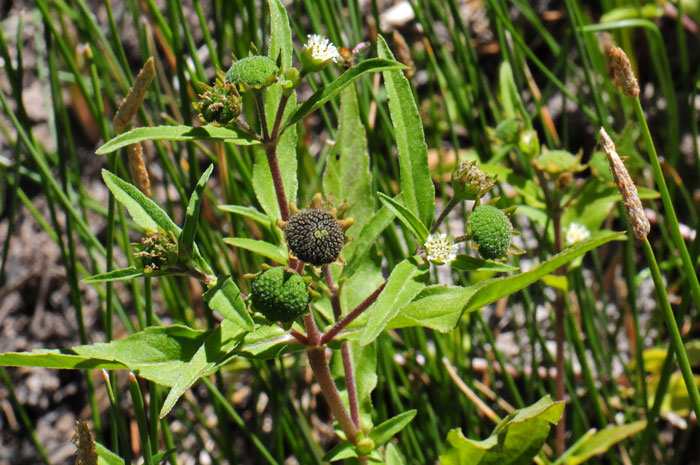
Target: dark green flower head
(280, 295)
(156, 252)
(469, 182)
(314, 236)
(491, 230)
(219, 104)
(252, 73)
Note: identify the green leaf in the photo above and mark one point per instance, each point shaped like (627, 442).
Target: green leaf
(280, 34)
(364, 361)
(341, 451)
(57, 359)
(332, 89)
(383, 432)
(500, 287)
(115, 275)
(189, 229)
(180, 133)
(437, 307)
(268, 342)
(416, 184)
(211, 353)
(515, 441)
(403, 285)
(145, 212)
(469, 263)
(407, 217)
(263, 184)
(358, 248)
(158, 353)
(248, 212)
(225, 298)
(106, 456)
(271, 251)
(347, 177)
(601, 441)
(393, 456)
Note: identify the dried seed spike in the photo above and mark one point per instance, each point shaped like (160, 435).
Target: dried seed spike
(403, 54)
(137, 169)
(622, 73)
(630, 197)
(135, 97)
(82, 438)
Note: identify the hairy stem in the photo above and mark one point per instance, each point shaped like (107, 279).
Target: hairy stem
(350, 317)
(344, 350)
(271, 152)
(278, 117)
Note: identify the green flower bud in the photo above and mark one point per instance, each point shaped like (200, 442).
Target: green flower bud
(317, 53)
(556, 162)
(219, 104)
(491, 230)
(156, 252)
(252, 73)
(280, 295)
(365, 446)
(314, 237)
(508, 131)
(529, 143)
(469, 182)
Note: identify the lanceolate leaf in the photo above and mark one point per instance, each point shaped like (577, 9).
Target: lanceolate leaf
(158, 354)
(115, 275)
(355, 250)
(603, 440)
(416, 184)
(515, 441)
(57, 359)
(220, 342)
(383, 432)
(407, 217)
(226, 299)
(436, 307)
(280, 34)
(248, 212)
(497, 288)
(347, 177)
(189, 230)
(263, 248)
(178, 133)
(329, 91)
(404, 283)
(145, 212)
(469, 263)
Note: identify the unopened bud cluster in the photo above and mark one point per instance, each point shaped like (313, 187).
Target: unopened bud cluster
(157, 251)
(469, 182)
(219, 104)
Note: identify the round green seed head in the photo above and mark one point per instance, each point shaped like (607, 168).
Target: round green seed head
(252, 73)
(490, 228)
(314, 237)
(280, 295)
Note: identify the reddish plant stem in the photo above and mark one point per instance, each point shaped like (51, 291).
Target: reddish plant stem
(319, 365)
(299, 337)
(271, 152)
(344, 350)
(278, 117)
(350, 317)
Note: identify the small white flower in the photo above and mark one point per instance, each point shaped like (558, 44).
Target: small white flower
(318, 52)
(441, 248)
(576, 232)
